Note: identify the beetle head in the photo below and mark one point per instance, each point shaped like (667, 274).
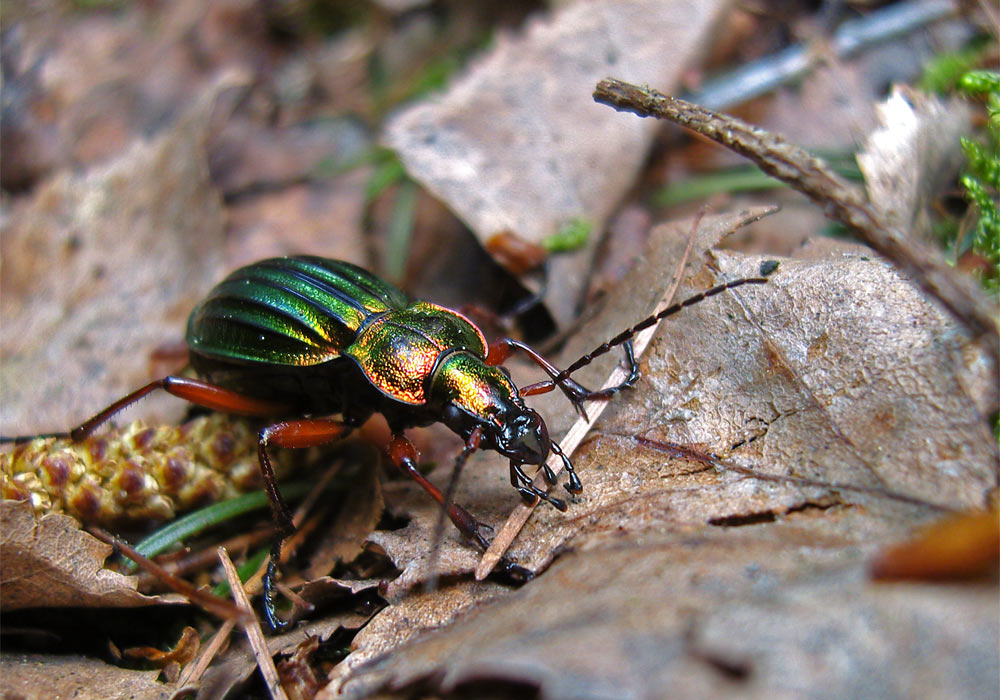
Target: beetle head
(524, 438)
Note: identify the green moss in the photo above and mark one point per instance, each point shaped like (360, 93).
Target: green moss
(943, 73)
(981, 180)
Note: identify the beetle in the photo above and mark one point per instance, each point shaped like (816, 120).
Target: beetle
(303, 338)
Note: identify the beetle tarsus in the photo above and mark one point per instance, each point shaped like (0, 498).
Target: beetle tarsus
(276, 623)
(508, 572)
(529, 497)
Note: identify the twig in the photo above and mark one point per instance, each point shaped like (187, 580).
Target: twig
(192, 562)
(252, 628)
(838, 199)
(193, 673)
(219, 607)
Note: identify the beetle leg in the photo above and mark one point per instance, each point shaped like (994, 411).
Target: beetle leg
(471, 445)
(194, 391)
(625, 337)
(550, 476)
(574, 391)
(404, 455)
(298, 433)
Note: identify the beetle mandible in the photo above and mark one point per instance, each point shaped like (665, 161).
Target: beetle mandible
(310, 336)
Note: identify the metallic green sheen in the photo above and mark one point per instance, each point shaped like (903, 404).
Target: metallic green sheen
(398, 350)
(296, 311)
(466, 381)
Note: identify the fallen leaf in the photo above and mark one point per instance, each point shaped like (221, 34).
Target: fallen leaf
(82, 678)
(183, 652)
(362, 508)
(417, 613)
(837, 374)
(781, 608)
(298, 677)
(779, 435)
(913, 156)
(87, 236)
(50, 562)
(514, 145)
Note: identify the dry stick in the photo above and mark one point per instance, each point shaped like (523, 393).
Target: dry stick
(593, 410)
(193, 673)
(838, 199)
(252, 628)
(220, 607)
(253, 584)
(193, 562)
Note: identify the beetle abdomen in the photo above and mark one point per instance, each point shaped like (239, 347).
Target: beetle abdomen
(288, 311)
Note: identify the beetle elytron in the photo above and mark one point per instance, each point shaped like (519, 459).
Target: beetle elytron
(309, 336)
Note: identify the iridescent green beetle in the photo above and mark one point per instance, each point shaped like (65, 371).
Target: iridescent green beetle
(309, 336)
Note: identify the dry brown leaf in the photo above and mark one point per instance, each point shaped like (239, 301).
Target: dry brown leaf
(913, 156)
(182, 653)
(964, 546)
(362, 507)
(31, 676)
(416, 613)
(298, 677)
(484, 490)
(779, 609)
(515, 145)
(50, 562)
(89, 237)
(827, 413)
(838, 373)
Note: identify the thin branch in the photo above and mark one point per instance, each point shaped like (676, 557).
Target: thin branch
(220, 607)
(839, 200)
(252, 628)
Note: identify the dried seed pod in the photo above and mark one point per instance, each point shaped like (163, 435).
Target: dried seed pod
(136, 473)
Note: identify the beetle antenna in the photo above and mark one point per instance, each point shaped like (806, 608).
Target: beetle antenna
(577, 394)
(642, 325)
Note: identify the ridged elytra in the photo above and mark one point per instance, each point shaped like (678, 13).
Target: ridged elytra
(309, 336)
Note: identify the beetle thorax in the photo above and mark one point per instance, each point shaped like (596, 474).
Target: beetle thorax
(474, 394)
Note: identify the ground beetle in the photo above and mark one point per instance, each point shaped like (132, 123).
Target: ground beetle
(308, 336)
